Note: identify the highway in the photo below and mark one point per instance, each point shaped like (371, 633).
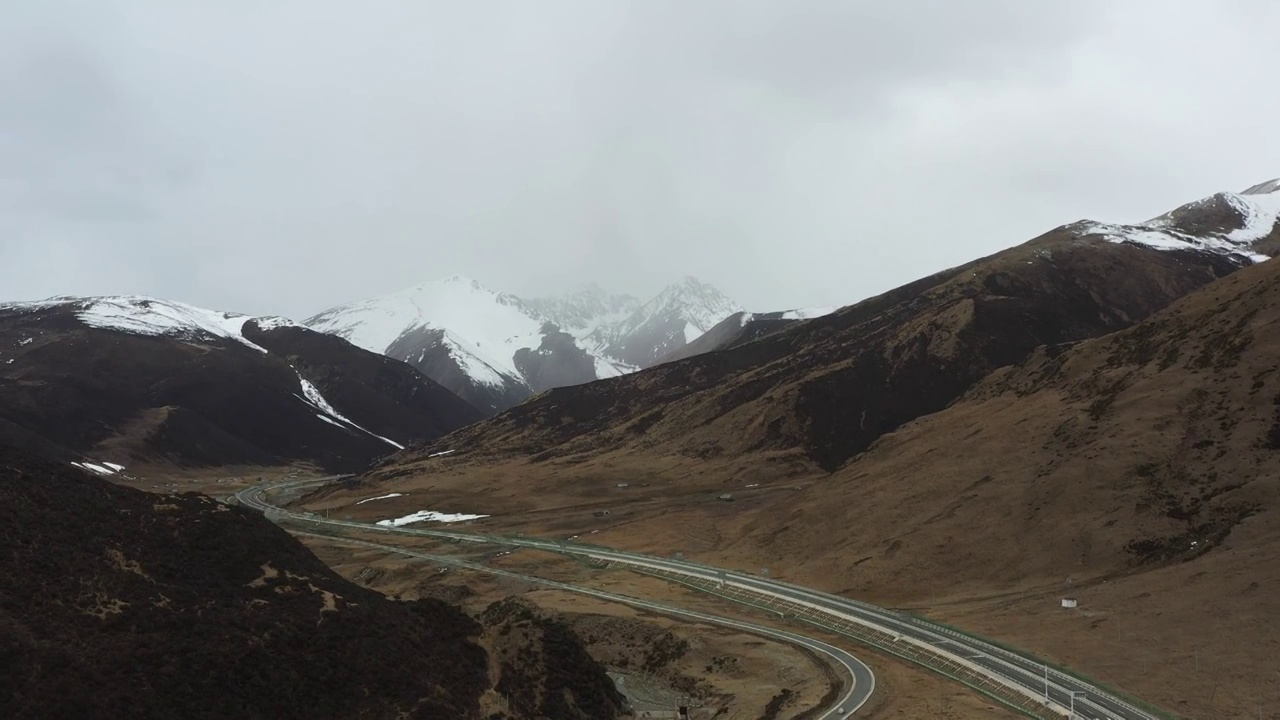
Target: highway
(1032, 683)
(863, 681)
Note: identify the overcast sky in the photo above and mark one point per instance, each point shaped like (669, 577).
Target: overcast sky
(282, 157)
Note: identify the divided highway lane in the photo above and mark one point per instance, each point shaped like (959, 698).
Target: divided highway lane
(863, 681)
(1030, 678)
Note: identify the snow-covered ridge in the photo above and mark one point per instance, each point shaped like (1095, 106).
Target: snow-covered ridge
(142, 315)
(1258, 209)
(149, 316)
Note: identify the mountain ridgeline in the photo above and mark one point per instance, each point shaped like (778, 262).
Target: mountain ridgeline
(828, 388)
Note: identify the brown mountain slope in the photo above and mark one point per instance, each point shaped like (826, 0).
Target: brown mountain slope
(116, 603)
(1157, 444)
(824, 390)
(1139, 472)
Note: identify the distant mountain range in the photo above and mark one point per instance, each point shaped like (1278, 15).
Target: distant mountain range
(110, 382)
(496, 349)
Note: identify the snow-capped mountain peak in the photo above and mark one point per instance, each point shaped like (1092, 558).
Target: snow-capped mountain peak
(699, 304)
(490, 319)
(495, 348)
(677, 316)
(473, 340)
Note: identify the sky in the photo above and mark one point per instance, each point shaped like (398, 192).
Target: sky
(282, 157)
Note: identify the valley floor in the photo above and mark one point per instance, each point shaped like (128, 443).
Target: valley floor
(1197, 638)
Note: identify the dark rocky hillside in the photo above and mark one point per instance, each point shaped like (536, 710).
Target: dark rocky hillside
(557, 362)
(116, 603)
(389, 397)
(69, 390)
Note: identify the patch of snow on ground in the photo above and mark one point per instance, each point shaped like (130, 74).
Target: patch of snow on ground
(747, 317)
(607, 369)
(275, 322)
(380, 497)
(1260, 213)
(316, 400)
(148, 316)
(809, 313)
(28, 341)
(691, 332)
(114, 466)
(330, 420)
(94, 468)
(441, 453)
(1168, 239)
(429, 516)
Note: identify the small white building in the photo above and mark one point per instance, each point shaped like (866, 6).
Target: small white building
(1070, 602)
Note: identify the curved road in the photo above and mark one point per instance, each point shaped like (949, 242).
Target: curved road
(1029, 678)
(863, 680)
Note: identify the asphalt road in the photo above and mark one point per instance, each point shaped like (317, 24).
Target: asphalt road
(859, 690)
(1028, 676)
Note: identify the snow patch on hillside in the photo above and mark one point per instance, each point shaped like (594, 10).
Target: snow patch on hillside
(1168, 239)
(275, 322)
(1260, 212)
(609, 369)
(1258, 209)
(809, 313)
(691, 332)
(103, 469)
(798, 314)
(380, 497)
(311, 396)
